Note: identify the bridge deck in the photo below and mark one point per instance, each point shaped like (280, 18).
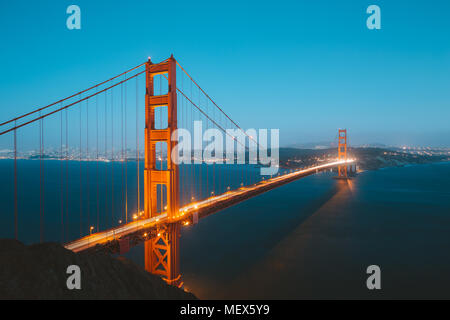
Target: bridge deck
(202, 208)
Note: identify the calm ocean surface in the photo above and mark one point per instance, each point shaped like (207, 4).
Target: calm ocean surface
(313, 238)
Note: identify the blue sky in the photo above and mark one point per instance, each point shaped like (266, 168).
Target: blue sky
(305, 67)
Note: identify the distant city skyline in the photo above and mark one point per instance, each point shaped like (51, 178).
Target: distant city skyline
(304, 67)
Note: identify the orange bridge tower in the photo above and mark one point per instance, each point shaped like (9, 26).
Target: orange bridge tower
(342, 152)
(162, 251)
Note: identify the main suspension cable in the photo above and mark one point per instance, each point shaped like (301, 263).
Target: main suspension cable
(74, 95)
(250, 137)
(69, 105)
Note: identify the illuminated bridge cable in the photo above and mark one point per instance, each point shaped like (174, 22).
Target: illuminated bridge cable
(81, 186)
(251, 138)
(112, 158)
(201, 162)
(219, 126)
(87, 165)
(69, 97)
(67, 174)
(97, 165)
(106, 157)
(161, 153)
(184, 171)
(42, 181)
(122, 201)
(126, 157)
(69, 105)
(208, 117)
(61, 183)
(193, 169)
(16, 231)
(207, 169)
(137, 148)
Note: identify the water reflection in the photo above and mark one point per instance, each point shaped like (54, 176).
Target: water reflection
(314, 238)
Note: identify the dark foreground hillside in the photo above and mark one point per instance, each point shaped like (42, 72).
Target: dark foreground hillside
(39, 272)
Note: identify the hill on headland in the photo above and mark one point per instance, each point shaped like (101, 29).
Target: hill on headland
(39, 272)
(367, 158)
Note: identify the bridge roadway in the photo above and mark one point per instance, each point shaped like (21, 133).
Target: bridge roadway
(201, 208)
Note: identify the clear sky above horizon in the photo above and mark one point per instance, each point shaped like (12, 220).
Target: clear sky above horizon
(305, 67)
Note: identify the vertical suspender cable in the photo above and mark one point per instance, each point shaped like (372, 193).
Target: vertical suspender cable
(67, 175)
(182, 167)
(112, 158)
(16, 229)
(97, 164)
(61, 187)
(137, 147)
(81, 186)
(126, 158)
(161, 149)
(207, 165)
(42, 180)
(193, 155)
(106, 158)
(201, 159)
(215, 155)
(87, 165)
(122, 201)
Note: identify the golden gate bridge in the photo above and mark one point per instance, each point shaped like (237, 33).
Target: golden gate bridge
(92, 131)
